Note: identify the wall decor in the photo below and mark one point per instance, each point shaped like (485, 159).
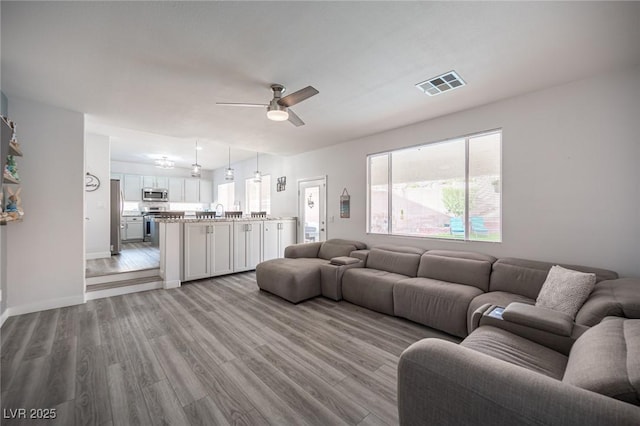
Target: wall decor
(345, 204)
(91, 182)
(282, 183)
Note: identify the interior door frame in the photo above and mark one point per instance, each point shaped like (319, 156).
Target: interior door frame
(323, 210)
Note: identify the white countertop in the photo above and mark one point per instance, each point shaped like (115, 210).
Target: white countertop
(193, 219)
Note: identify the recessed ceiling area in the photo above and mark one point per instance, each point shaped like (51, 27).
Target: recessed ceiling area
(160, 67)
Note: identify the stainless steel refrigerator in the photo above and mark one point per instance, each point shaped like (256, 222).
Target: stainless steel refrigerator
(116, 215)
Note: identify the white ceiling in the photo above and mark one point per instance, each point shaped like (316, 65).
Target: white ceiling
(159, 67)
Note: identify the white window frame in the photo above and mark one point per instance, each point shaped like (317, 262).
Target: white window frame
(467, 236)
(264, 193)
(231, 185)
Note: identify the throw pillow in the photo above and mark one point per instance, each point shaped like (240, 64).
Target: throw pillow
(565, 290)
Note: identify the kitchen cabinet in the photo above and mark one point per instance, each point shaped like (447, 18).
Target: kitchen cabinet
(176, 190)
(208, 250)
(277, 235)
(206, 191)
(247, 245)
(155, 182)
(191, 191)
(132, 188)
(133, 228)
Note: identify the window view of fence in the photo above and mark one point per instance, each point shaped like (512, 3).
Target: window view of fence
(448, 189)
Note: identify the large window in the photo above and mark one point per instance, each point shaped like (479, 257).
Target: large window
(226, 194)
(258, 195)
(448, 189)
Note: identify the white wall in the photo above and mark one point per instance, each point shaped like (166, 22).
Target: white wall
(97, 221)
(570, 193)
(45, 252)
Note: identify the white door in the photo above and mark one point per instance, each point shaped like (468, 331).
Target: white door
(222, 256)
(312, 211)
(197, 251)
(287, 235)
(270, 240)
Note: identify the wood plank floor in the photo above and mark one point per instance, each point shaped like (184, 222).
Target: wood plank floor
(133, 257)
(213, 352)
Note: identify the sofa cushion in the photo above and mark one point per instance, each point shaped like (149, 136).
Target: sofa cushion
(509, 347)
(337, 247)
(497, 298)
(396, 259)
(370, 288)
(565, 290)
(525, 277)
(472, 269)
(619, 298)
(605, 360)
(438, 304)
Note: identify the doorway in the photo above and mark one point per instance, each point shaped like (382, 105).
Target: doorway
(312, 209)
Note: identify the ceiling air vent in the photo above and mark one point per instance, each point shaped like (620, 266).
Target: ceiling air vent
(436, 85)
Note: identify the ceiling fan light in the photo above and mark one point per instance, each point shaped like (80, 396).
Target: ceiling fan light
(277, 115)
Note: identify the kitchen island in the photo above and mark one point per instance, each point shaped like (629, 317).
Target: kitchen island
(193, 248)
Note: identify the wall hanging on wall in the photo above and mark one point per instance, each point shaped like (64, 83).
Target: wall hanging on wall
(282, 183)
(91, 182)
(345, 204)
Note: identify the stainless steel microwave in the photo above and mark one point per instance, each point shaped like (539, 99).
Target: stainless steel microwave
(155, 194)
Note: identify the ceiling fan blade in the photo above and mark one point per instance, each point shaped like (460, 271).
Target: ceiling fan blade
(298, 96)
(241, 104)
(294, 119)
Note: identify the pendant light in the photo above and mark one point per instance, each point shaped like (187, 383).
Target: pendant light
(164, 163)
(228, 174)
(257, 176)
(195, 167)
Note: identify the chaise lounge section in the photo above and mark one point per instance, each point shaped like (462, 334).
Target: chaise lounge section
(297, 276)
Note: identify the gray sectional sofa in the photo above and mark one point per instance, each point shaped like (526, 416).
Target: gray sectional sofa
(442, 289)
(527, 365)
(496, 377)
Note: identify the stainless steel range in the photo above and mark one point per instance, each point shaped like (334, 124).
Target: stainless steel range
(150, 226)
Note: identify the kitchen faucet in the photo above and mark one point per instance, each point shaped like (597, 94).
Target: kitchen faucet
(219, 212)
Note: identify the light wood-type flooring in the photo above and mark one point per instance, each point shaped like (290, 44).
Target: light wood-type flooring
(133, 257)
(213, 352)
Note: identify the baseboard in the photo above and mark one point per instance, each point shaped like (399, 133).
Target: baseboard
(44, 305)
(172, 284)
(98, 255)
(117, 291)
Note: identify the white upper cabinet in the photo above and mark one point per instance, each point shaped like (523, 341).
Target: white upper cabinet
(155, 182)
(206, 191)
(132, 188)
(176, 190)
(191, 191)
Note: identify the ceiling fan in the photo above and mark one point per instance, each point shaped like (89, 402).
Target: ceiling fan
(278, 107)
